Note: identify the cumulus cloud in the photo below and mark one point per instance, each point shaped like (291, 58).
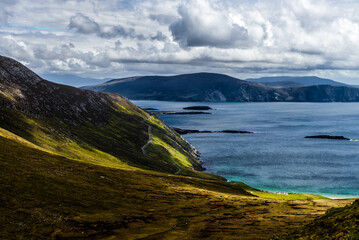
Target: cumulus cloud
(83, 24)
(201, 24)
(110, 39)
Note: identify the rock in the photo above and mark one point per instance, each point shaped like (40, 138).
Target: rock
(180, 112)
(187, 131)
(150, 109)
(235, 131)
(328, 137)
(198, 108)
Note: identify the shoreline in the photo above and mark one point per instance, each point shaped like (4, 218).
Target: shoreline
(352, 192)
(288, 193)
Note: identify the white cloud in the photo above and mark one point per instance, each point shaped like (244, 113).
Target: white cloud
(205, 24)
(83, 24)
(119, 37)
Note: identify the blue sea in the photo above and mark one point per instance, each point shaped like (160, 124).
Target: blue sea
(276, 157)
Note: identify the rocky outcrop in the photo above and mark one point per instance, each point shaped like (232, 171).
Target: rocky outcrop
(328, 137)
(187, 131)
(179, 112)
(203, 108)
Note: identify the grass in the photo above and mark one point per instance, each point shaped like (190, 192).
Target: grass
(116, 143)
(270, 195)
(337, 223)
(52, 196)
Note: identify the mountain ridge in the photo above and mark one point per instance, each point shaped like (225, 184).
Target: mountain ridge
(302, 80)
(213, 87)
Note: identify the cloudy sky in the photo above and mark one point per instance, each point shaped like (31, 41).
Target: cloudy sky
(242, 38)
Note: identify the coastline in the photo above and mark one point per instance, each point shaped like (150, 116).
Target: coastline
(293, 135)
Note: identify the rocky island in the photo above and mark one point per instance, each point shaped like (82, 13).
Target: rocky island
(328, 137)
(187, 131)
(203, 108)
(179, 112)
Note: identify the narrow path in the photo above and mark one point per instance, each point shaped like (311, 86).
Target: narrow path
(178, 169)
(149, 140)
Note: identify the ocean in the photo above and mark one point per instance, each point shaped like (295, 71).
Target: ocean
(276, 157)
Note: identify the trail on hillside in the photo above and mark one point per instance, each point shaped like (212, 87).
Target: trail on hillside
(178, 168)
(149, 140)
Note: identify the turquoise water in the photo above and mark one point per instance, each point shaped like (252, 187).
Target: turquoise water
(277, 157)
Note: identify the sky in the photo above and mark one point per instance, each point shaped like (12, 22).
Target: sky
(243, 38)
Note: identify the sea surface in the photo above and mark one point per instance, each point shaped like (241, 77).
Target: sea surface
(276, 157)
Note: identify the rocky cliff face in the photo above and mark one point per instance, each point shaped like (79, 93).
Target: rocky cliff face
(323, 93)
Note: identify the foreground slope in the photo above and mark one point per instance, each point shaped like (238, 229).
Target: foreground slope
(104, 129)
(211, 87)
(48, 196)
(337, 223)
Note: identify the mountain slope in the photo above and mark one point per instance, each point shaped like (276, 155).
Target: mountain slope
(221, 88)
(49, 196)
(72, 80)
(299, 81)
(338, 223)
(104, 129)
(190, 87)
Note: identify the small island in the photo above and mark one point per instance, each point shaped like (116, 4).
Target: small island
(328, 137)
(187, 131)
(202, 108)
(179, 112)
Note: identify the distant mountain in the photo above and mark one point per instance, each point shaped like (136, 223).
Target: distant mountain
(72, 80)
(286, 81)
(281, 84)
(209, 87)
(323, 93)
(212, 87)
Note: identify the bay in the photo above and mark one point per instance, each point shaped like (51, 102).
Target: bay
(276, 157)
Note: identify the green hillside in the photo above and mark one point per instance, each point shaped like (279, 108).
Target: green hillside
(49, 196)
(337, 223)
(99, 128)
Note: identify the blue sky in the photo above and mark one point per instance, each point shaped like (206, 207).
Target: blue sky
(119, 38)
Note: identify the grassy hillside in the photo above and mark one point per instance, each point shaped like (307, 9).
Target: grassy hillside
(337, 223)
(99, 128)
(51, 196)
